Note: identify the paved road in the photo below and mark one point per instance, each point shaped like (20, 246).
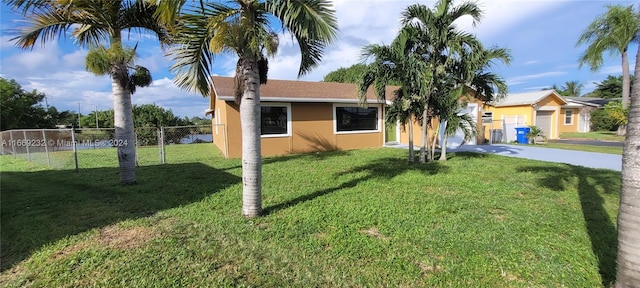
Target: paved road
(578, 158)
(589, 142)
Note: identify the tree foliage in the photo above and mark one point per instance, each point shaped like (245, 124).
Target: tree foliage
(610, 117)
(346, 75)
(609, 88)
(21, 109)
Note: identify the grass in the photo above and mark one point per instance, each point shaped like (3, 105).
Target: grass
(594, 135)
(582, 147)
(354, 218)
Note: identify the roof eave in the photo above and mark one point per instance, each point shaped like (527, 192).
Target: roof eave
(312, 100)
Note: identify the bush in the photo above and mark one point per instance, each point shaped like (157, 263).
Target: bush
(609, 118)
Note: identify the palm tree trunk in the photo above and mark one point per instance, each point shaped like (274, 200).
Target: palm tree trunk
(626, 88)
(411, 152)
(123, 122)
(443, 143)
(425, 141)
(628, 272)
(251, 146)
(626, 80)
(433, 143)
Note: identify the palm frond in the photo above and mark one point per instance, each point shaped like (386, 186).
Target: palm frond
(312, 23)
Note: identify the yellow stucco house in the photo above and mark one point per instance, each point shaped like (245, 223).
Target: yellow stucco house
(300, 117)
(545, 109)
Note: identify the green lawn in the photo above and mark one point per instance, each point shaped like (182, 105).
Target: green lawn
(594, 135)
(581, 147)
(354, 218)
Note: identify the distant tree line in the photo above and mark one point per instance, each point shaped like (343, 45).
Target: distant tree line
(21, 109)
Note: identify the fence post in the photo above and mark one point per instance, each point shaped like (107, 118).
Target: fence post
(13, 144)
(136, 147)
(75, 150)
(26, 145)
(163, 159)
(46, 147)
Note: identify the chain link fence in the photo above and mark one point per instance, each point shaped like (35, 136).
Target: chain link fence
(89, 148)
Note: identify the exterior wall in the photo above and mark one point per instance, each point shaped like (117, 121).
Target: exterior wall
(573, 127)
(528, 112)
(417, 132)
(524, 113)
(219, 123)
(312, 129)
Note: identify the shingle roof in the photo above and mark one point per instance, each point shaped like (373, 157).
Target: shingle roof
(300, 91)
(527, 98)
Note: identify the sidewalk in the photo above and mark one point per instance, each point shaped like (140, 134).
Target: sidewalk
(573, 157)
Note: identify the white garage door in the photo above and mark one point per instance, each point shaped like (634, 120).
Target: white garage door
(543, 121)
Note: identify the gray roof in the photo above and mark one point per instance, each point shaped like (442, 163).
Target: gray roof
(527, 98)
(591, 101)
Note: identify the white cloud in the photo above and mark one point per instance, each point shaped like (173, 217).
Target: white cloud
(537, 87)
(522, 79)
(531, 62)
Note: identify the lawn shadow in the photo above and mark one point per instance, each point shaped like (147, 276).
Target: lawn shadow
(591, 183)
(311, 156)
(384, 168)
(40, 208)
(502, 149)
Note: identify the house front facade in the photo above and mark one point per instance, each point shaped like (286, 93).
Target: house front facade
(545, 109)
(300, 117)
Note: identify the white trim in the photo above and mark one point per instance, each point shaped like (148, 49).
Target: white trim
(286, 105)
(564, 120)
(312, 100)
(335, 120)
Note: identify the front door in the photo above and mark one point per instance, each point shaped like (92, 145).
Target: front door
(390, 133)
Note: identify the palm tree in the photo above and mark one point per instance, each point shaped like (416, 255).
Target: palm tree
(244, 28)
(571, 88)
(439, 43)
(612, 32)
(628, 274)
(474, 71)
(99, 25)
(395, 63)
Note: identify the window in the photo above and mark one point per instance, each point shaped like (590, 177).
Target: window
(568, 117)
(356, 119)
(274, 120)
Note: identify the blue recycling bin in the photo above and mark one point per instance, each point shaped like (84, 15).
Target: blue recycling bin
(521, 134)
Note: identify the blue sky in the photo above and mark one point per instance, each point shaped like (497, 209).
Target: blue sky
(540, 34)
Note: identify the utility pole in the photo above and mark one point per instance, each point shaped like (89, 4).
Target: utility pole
(97, 126)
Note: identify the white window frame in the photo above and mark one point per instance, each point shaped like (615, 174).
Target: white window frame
(335, 119)
(286, 105)
(565, 117)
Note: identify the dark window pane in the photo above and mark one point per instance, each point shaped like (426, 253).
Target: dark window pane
(273, 120)
(356, 118)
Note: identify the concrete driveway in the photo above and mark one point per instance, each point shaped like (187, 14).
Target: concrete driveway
(578, 158)
(573, 157)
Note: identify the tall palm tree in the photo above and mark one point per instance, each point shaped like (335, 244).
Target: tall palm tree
(628, 272)
(244, 28)
(395, 63)
(611, 32)
(440, 43)
(99, 25)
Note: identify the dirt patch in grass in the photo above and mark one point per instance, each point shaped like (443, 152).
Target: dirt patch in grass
(69, 250)
(125, 238)
(374, 232)
(429, 269)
